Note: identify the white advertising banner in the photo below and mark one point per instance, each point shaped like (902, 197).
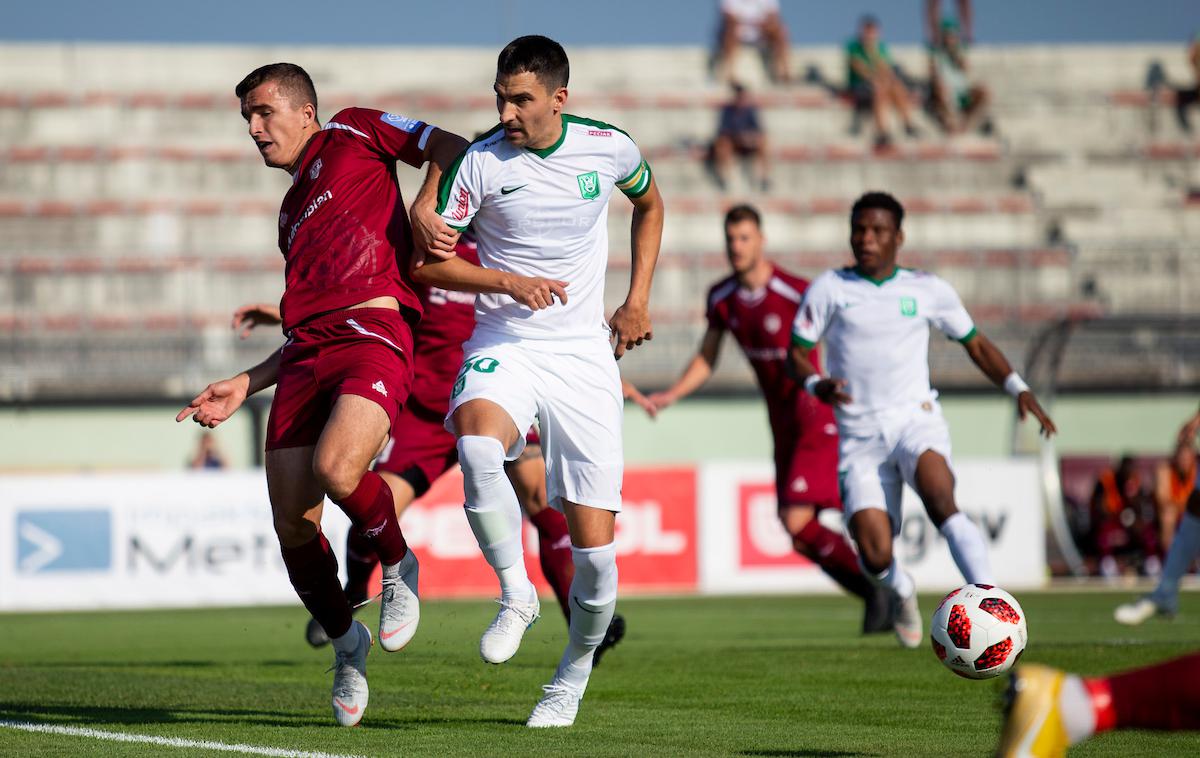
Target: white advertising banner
(142, 541)
(743, 547)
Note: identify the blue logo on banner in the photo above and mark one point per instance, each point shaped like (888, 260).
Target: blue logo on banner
(68, 540)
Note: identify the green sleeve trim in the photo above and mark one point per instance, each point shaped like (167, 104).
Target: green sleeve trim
(458, 228)
(968, 336)
(448, 177)
(798, 340)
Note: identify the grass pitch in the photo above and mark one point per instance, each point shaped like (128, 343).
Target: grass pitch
(772, 676)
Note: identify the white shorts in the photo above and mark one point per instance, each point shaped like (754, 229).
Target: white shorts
(873, 467)
(576, 400)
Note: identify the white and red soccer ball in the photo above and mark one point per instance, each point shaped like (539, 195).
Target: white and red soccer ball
(978, 631)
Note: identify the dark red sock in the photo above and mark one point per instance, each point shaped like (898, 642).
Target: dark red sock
(372, 512)
(360, 562)
(1165, 696)
(554, 553)
(829, 551)
(312, 567)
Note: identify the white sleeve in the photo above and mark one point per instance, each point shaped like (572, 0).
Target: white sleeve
(460, 191)
(633, 173)
(815, 311)
(948, 314)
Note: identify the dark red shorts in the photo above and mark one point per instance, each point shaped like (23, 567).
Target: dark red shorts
(361, 351)
(806, 457)
(420, 449)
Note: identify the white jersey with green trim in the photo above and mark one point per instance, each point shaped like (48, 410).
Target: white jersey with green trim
(544, 212)
(876, 336)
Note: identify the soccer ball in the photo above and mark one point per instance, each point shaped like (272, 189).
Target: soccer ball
(978, 631)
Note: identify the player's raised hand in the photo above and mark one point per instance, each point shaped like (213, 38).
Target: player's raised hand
(431, 234)
(633, 393)
(255, 314)
(1027, 404)
(832, 392)
(217, 402)
(630, 327)
(536, 292)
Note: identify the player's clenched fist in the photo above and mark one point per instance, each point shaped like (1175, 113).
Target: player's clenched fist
(217, 402)
(630, 327)
(536, 292)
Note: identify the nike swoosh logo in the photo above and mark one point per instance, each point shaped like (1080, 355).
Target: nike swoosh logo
(510, 190)
(389, 635)
(580, 606)
(352, 711)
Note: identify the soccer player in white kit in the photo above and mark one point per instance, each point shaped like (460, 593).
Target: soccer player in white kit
(874, 318)
(535, 190)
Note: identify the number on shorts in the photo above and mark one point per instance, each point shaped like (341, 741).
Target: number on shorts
(483, 365)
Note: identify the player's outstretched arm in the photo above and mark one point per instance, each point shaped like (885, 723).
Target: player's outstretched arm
(220, 400)
(829, 390)
(251, 315)
(996, 367)
(456, 274)
(631, 392)
(698, 371)
(432, 236)
(631, 322)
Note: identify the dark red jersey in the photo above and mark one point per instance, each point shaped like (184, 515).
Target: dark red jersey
(448, 321)
(761, 322)
(343, 231)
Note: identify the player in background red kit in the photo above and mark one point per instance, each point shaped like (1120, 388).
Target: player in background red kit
(1048, 710)
(756, 303)
(421, 450)
(346, 368)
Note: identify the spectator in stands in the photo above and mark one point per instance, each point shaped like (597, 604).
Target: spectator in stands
(757, 23)
(207, 455)
(1189, 96)
(933, 12)
(1175, 479)
(1123, 522)
(874, 83)
(958, 104)
(739, 133)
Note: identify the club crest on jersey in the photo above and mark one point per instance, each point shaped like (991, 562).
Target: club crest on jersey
(315, 171)
(589, 185)
(908, 306)
(772, 323)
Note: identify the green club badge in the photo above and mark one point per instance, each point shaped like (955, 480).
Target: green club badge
(589, 185)
(908, 306)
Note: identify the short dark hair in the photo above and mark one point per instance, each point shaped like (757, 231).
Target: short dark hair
(740, 213)
(292, 80)
(881, 200)
(537, 55)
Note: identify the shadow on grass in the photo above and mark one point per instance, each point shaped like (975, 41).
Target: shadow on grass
(804, 753)
(101, 715)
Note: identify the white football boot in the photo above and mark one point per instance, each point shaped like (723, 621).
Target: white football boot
(350, 679)
(502, 638)
(399, 607)
(558, 707)
(1141, 610)
(906, 620)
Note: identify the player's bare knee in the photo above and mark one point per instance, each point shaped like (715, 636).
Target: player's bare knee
(337, 475)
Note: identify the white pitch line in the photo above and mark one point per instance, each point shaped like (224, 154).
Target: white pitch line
(99, 734)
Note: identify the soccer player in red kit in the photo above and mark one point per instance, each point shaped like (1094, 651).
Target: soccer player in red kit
(346, 368)
(1048, 710)
(420, 449)
(756, 303)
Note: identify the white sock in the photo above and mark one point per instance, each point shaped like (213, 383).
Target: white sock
(893, 578)
(1183, 551)
(349, 641)
(1078, 714)
(494, 514)
(968, 548)
(593, 598)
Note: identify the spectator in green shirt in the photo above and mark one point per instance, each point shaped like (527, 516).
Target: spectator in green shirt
(873, 82)
(959, 104)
